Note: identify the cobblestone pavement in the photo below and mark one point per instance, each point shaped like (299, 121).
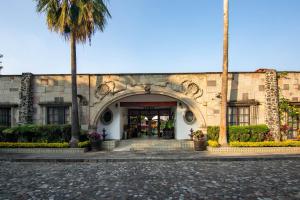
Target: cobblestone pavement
(151, 180)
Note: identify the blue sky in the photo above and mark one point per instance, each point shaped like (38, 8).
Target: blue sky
(158, 36)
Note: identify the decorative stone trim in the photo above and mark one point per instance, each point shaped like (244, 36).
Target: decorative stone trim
(250, 102)
(52, 103)
(26, 99)
(254, 149)
(272, 103)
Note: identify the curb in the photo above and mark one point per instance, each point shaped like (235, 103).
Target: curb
(109, 160)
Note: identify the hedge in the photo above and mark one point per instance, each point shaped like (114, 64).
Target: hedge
(84, 144)
(40, 145)
(33, 145)
(253, 133)
(2, 128)
(287, 143)
(39, 133)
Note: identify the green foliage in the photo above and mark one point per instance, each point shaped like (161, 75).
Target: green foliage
(286, 107)
(213, 143)
(2, 128)
(213, 133)
(33, 145)
(169, 124)
(84, 144)
(282, 75)
(198, 135)
(258, 133)
(239, 133)
(253, 133)
(40, 133)
(287, 143)
(80, 18)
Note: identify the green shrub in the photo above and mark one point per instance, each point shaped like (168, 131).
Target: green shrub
(84, 144)
(213, 143)
(239, 133)
(38, 133)
(287, 143)
(33, 145)
(213, 133)
(253, 133)
(83, 135)
(10, 134)
(258, 133)
(2, 136)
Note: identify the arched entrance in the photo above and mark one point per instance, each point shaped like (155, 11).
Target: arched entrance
(146, 114)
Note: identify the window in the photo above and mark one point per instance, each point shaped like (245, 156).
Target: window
(239, 116)
(107, 117)
(5, 117)
(58, 115)
(294, 125)
(189, 117)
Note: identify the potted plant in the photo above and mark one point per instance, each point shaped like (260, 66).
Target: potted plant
(95, 140)
(199, 141)
(168, 131)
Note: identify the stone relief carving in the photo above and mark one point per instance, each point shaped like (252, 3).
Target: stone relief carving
(112, 87)
(192, 89)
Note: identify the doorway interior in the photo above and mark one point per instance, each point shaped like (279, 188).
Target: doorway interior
(154, 120)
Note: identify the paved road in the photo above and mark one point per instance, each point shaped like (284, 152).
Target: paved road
(151, 180)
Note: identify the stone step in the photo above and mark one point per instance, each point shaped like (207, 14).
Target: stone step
(155, 145)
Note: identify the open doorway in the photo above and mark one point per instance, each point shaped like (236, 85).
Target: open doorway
(155, 121)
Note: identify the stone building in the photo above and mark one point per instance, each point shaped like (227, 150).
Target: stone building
(130, 105)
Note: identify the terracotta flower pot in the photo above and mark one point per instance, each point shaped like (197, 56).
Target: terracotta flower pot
(199, 145)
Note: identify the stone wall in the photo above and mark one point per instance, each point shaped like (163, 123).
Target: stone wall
(26, 99)
(272, 103)
(201, 91)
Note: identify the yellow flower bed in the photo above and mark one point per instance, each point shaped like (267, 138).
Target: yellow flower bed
(287, 143)
(40, 145)
(33, 145)
(213, 143)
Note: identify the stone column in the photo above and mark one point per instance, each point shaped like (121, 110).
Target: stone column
(26, 99)
(272, 103)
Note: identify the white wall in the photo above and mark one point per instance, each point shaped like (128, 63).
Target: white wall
(182, 129)
(112, 129)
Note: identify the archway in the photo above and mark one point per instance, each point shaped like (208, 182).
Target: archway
(183, 103)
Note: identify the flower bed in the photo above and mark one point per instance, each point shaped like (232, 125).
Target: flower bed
(287, 143)
(33, 145)
(40, 145)
(212, 143)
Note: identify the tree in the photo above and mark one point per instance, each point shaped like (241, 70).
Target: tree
(76, 21)
(223, 121)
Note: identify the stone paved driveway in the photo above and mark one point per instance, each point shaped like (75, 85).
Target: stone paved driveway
(151, 180)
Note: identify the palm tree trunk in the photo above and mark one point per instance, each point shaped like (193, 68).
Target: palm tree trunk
(223, 123)
(75, 121)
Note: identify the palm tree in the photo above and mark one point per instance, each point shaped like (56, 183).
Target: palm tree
(76, 21)
(223, 123)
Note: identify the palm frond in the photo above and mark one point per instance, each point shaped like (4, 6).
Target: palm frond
(79, 17)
